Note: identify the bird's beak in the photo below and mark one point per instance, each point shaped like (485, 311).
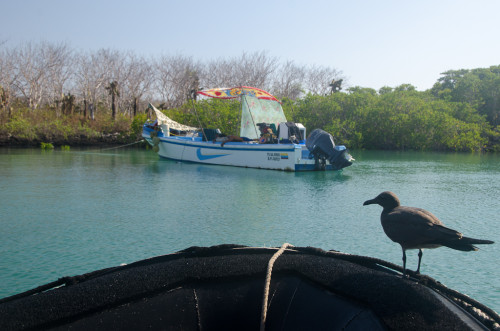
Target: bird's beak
(369, 202)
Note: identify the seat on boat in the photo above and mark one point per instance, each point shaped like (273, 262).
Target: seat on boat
(209, 134)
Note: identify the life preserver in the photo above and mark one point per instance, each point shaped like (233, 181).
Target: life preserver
(262, 140)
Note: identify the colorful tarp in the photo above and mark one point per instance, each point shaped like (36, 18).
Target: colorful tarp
(235, 92)
(255, 110)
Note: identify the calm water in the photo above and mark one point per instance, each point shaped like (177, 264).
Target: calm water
(68, 213)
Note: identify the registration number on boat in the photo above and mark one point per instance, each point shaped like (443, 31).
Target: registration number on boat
(277, 156)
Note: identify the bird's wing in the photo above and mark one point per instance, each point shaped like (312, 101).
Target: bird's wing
(424, 213)
(416, 228)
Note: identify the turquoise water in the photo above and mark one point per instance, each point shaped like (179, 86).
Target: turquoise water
(68, 213)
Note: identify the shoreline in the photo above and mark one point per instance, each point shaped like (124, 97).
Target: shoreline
(105, 140)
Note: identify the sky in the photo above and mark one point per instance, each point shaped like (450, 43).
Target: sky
(372, 43)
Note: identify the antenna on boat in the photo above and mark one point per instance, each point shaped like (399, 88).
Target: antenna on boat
(192, 97)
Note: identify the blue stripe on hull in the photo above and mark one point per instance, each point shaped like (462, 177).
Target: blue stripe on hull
(232, 147)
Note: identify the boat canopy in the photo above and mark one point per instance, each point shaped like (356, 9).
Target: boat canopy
(257, 106)
(236, 92)
(171, 124)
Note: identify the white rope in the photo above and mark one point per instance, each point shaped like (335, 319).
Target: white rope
(107, 149)
(263, 316)
(197, 309)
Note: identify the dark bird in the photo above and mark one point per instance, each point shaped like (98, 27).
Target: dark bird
(416, 228)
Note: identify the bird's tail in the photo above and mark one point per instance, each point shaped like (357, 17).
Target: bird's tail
(466, 244)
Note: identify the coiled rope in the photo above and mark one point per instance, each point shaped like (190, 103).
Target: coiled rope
(263, 315)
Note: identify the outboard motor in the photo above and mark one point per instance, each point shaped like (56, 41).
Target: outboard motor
(320, 144)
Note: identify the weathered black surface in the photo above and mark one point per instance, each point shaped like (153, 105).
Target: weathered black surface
(222, 287)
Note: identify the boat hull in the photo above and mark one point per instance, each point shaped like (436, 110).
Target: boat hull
(287, 157)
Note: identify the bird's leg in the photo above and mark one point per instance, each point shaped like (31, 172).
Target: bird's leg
(419, 259)
(404, 262)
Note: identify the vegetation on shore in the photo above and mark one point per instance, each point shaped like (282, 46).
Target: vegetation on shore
(50, 94)
(394, 119)
(38, 128)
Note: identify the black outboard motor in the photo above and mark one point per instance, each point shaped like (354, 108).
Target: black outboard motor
(321, 146)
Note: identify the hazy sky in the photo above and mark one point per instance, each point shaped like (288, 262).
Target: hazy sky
(373, 43)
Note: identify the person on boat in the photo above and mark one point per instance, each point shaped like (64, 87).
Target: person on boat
(231, 138)
(267, 135)
(222, 138)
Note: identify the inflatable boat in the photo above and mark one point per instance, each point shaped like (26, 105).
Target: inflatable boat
(232, 287)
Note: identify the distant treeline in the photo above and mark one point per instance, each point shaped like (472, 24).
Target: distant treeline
(51, 93)
(70, 81)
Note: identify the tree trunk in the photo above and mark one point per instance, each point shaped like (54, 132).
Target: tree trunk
(113, 106)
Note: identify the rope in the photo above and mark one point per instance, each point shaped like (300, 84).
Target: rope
(106, 149)
(197, 309)
(268, 283)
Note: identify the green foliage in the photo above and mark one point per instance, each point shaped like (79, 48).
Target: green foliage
(137, 123)
(493, 136)
(65, 148)
(20, 127)
(400, 118)
(479, 88)
(214, 113)
(31, 127)
(108, 125)
(46, 146)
